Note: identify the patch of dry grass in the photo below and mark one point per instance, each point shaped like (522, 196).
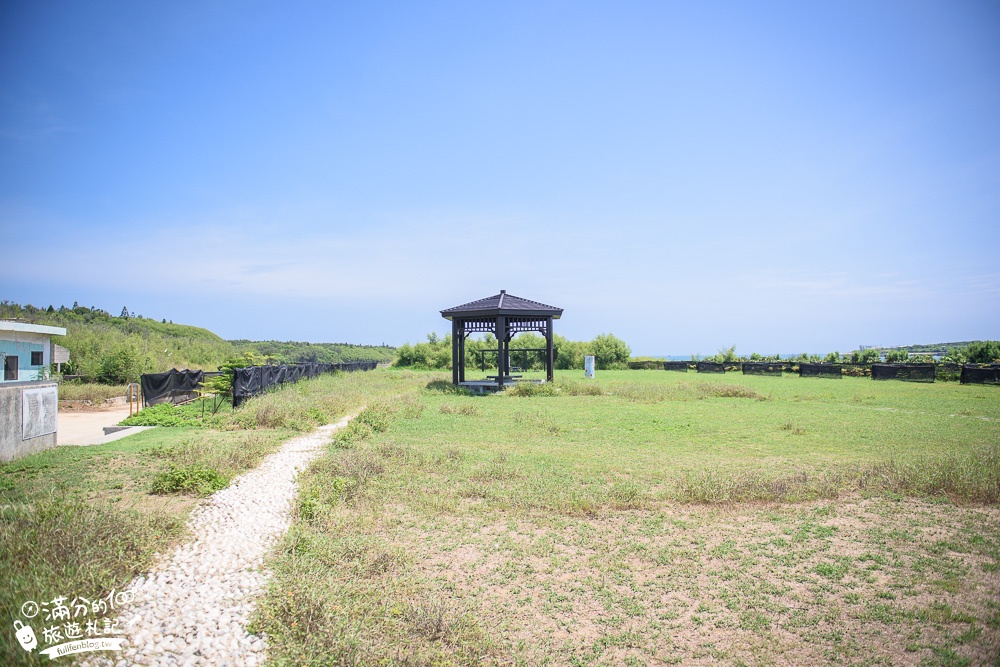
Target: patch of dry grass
(601, 529)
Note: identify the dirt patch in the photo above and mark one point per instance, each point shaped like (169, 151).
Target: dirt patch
(902, 582)
(91, 406)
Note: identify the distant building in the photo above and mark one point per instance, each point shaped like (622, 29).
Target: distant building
(26, 350)
(29, 402)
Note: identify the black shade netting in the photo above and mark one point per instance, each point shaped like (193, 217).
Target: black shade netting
(681, 366)
(710, 367)
(254, 380)
(832, 371)
(174, 386)
(981, 374)
(762, 368)
(905, 372)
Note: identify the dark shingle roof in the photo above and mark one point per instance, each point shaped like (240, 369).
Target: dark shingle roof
(502, 304)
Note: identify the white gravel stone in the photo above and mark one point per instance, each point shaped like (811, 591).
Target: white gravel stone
(194, 606)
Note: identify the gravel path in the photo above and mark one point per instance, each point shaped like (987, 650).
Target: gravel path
(194, 607)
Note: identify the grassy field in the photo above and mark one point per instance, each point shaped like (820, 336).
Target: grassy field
(84, 520)
(651, 518)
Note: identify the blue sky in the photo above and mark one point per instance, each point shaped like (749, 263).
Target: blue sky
(782, 176)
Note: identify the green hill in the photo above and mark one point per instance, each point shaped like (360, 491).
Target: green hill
(119, 349)
(934, 348)
(327, 353)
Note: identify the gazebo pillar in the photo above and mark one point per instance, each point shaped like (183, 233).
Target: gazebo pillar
(454, 352)
(461, 350)
(550, 360)
(501, 349)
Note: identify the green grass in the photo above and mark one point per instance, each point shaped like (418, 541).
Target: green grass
(89, 391)
(650, 518)
(84, 520)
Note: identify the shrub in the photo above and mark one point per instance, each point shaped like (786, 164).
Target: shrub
(126, 363)
(869, 356)
(610, 351)
(376, 416)
(896, 356)
(164, 414)
(194, 478)
(983, 352)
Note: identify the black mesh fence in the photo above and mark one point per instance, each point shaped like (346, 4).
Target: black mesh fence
(681, 366)
(174, 386)
(645, 365)
(254, 380)
(981, 374)
(906, 372)
(710, 367)
(820, 371)
(762, 368)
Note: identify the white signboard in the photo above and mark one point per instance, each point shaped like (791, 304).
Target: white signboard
(39, 409)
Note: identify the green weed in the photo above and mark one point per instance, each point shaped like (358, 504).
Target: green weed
(196, 479)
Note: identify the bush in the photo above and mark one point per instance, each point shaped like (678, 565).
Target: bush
(195, 479)
(126, 363)
(610, 352)
(164, 414)
(896, 356)
(869, 356)
(983, 352)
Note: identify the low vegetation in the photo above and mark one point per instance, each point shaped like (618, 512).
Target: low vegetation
(90, 392)
(651, 519)
(435, 353)
(326, 353)
(640, 518)
(84, 520)
(116, 350)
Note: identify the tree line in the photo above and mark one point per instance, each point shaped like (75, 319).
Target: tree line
(117, 350)
(610, 352)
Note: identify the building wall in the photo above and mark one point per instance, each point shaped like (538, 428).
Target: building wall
(15, 442)
(22, 344)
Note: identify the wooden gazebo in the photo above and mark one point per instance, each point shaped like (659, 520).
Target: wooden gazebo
(504, 315)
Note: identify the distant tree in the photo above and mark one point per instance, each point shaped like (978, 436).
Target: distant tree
(896, 356)
(832, 358)
(869, 356)
(610, 351)
(124, 314)
(222, 384)
(983, 352)
(50, 309)
(726, 355)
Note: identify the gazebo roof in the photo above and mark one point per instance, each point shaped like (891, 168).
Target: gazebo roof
(502, 304)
